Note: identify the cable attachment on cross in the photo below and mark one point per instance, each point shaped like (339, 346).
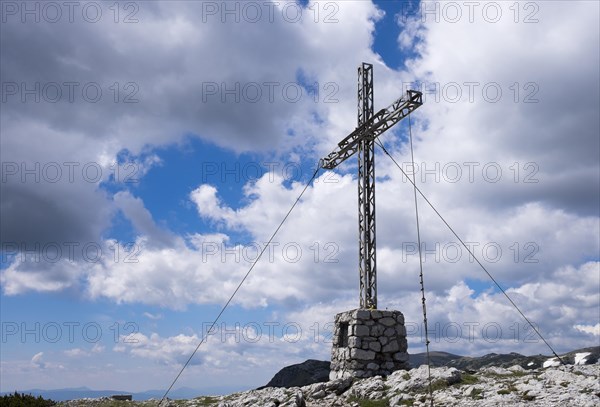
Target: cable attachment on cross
(205, 336)
(421, 277)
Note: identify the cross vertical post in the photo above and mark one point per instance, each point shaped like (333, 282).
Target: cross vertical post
(366, 193)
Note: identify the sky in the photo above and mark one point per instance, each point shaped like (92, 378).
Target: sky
(149, 150)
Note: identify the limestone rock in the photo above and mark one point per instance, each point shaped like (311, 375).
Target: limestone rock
(571, 385)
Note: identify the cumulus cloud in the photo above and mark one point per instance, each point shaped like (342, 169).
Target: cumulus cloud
(208, 204)
(243, 346)
(168, 100)
(34, 274)
(176, 349)
(528, 126)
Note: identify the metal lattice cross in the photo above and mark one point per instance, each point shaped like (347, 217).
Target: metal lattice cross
(362, 140)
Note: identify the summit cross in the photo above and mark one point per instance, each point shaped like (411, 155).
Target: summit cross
(362, 140)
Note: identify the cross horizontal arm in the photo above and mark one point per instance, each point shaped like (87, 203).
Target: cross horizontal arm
(373, 128)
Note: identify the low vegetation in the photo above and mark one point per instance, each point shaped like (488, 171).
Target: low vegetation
(24, 400)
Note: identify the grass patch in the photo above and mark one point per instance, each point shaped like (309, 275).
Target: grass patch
(438, 385)
(510, 389)
(406, 376)
(468, 379)
(476, 394)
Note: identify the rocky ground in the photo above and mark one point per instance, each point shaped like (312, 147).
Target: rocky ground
(489, 386)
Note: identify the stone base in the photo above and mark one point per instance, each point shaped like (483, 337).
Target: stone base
(368, 343)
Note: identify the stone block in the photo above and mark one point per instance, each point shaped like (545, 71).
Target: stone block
(375, 346)
(377, 330)
(391, 347)
(344, 317)
(400, 318)
(361, 330)
(354, 342)
(390, 332)
(355, 364)
(362, 314)
(401, 330)
(361, 354)
(388, 321)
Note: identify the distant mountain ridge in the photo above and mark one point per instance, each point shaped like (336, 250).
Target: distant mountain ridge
(440, 359)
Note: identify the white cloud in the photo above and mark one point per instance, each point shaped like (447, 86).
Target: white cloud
(37, 275)
(97, 348)
(36, 360)
(459, 292)
(153, 316)
(76, 352)
(589, 329)
(208, 204)
(460, 321)
(176, 349)
(171, 101)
